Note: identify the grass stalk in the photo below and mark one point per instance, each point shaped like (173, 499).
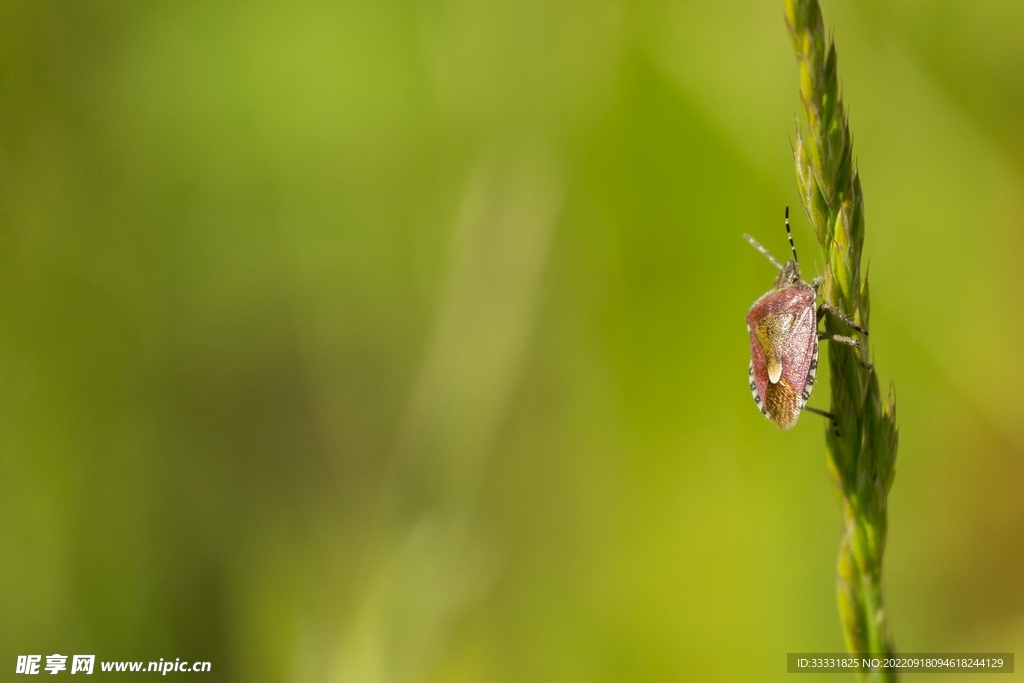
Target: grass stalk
(862, 448)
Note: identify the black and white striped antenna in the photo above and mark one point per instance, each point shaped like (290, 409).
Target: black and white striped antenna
(789, 234)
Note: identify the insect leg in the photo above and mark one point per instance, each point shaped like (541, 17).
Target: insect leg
(849, 341)
(835, 425)
(825, 308)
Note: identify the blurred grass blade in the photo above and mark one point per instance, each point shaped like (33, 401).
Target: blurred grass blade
(433, 562)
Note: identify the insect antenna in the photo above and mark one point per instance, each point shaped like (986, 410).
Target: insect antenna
(789, 234)
(757, 245)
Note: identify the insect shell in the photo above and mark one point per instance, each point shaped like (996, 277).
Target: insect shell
(783, 342)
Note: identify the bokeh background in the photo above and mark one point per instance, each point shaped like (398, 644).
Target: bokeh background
(403, 341)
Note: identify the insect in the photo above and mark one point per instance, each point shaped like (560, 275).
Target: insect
(783, 327)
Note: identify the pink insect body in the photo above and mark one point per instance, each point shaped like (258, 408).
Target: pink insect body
(783, 327)
(783, 348)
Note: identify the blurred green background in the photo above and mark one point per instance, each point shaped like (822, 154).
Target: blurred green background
(403, 341)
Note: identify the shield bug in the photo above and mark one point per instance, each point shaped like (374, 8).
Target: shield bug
(783, 327)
